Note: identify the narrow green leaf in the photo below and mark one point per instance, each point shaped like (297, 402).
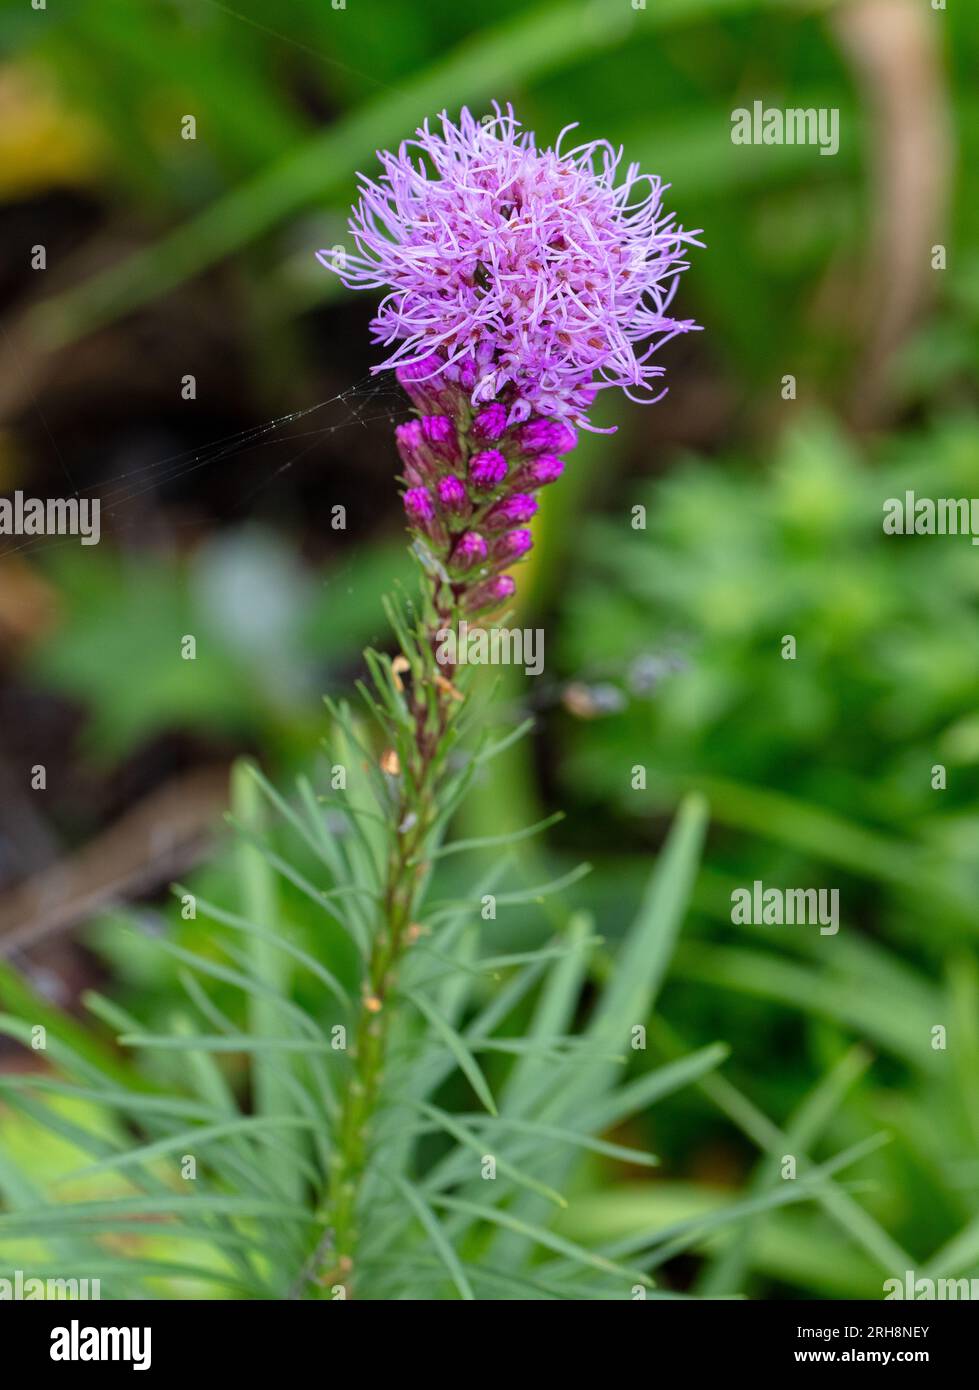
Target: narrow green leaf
(539, 1236)
(493, 841)
(248, 1127)
(452, 1125)
(235, 1042)
(435, 1233)
(560, 1135)
(90, 1214)
(636, 1096)
(642, 961)
(242, 924)
(457, 1046)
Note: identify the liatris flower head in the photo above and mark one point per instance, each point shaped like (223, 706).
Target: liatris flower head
(541, 275)
(519, 281)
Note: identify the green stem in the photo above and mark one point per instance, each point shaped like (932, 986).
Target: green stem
(418, 806)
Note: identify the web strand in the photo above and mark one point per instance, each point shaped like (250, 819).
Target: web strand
(116, 493)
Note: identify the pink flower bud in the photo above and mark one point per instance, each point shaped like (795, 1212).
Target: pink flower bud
(547, 437)
(452, 494)
(490, 594)
(422, 516)
(470, 550)
(411, 447)
(419, 508)
(439, 433)
(424, 384)
(487, 470)
(546, 468)
(511, 512)
(512, 546)
(490, 423)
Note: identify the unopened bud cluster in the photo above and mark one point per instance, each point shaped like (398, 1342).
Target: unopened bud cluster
(472, 479)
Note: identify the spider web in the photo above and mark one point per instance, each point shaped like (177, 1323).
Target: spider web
(366, 401)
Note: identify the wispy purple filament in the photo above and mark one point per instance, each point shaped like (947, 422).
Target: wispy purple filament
(546, 274)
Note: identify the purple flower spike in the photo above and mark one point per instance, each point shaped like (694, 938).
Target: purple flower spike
(512, 511)
(547, 437)
(441, 437)
(540, 275)
(491, 593)
(491, 423)
(487, 470)
(512, 546)
(470, 550)
(544, 469)
(516, 281)
(452, 494)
